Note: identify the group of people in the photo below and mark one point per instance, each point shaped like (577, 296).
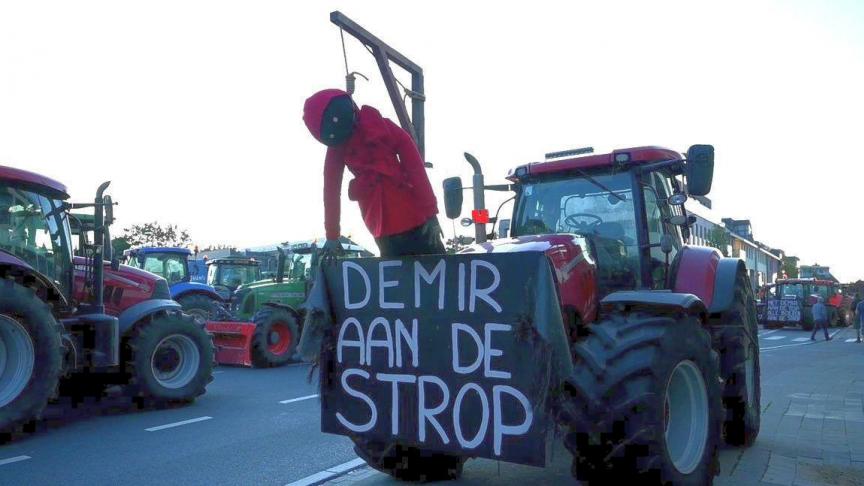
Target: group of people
(821, 319)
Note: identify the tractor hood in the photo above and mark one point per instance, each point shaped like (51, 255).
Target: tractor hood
(124, 287)
(542, 243)
(574, 268)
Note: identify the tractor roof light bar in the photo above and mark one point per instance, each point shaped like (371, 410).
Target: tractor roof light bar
(384, 54)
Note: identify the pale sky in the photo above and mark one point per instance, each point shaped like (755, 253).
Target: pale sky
(193, 109)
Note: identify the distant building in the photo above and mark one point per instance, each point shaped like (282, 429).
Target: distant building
(735, 239)
(816, 271)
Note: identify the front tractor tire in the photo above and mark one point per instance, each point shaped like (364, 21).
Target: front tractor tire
(30, 356)
(199, 306)
(169, 359)
(275, 339)
(736, 339)
(643, 405)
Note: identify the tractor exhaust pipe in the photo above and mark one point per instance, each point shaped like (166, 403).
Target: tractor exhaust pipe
(98, 249)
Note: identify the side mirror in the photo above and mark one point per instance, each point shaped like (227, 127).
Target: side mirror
(453, 197)
(466, 222)
(677, 199)
(666, 244)
(504, 228)
(699, 169)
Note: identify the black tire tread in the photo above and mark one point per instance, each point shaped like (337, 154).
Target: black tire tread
(263, 319)
(607, 409)
(139, 345)
(35, 315)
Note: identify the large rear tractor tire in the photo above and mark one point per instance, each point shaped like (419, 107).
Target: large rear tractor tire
(409, 463)
(275, 339)
(31, 356)
(736, 339)
(643, 405)
(201, 307)
(169, 359)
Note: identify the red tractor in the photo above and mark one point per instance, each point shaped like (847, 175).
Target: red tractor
(82, 323)
(655, 358)
(789, 302)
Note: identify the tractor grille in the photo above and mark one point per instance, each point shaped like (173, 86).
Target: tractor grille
(160, 290)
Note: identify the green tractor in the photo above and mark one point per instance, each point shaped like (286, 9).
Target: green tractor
(227, 274)
(262, 325)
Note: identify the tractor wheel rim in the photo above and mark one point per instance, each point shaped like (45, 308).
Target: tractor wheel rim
(175, 361)
(686, 417)
(279, 339)
(17, 359)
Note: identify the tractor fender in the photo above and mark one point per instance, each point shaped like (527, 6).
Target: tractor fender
(655, 300)
(184, 288)
(694, 272)
(19, 271)
(725, 280)
(294, 312)
(135, 313)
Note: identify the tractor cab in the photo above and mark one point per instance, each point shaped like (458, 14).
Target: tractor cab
(34, 229)
(169, 263)
(228, 273)
(623, 212)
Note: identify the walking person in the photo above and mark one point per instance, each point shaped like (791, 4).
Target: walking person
(390, 183)
(859, 316)
(820, 318)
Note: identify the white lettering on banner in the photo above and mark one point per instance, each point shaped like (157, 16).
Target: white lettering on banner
(456, 327)
(428, 414)
(379, 343)
(500, 429)
(357, 394)
(368, 287)
(395, 379)
(438, 272)
(484, 293)
(478, 423)
(341, 342)
(461, 287)
(489, 351)
(411, 339)
(386, 284)
(457, 413)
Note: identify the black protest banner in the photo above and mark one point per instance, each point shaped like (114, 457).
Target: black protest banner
(440, 353)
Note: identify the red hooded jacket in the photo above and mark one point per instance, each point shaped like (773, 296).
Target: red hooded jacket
(390, 182)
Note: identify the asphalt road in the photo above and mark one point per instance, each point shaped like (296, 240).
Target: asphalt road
(249, 438)
(241, 433)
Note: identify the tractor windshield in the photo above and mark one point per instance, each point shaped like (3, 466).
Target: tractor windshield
(232, 276)
(822, 291)
(170, 266)
(33, 228)
(790, 290)
(581, 206)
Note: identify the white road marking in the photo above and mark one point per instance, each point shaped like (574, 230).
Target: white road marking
(796, 344)
(852, 340)
(765, 333)
(801, 339)
(178, 424)
(329, 474)
(298, 399)
(774, 338)
(217, 372)
(3, 462)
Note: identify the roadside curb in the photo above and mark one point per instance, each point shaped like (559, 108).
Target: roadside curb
(329, 474)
